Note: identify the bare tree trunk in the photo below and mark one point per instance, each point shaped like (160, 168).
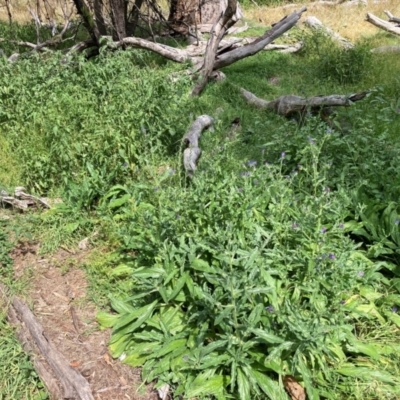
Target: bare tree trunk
(88, 21)
(134, 17)
(98, 13)
(118, 15)
(217, 33)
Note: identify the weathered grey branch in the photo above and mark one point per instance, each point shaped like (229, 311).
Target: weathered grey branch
(21, 200)
(74, 385)
(391, 17)
(316, 24)
(385, 25)
(289, 105)
(218, 31)
(259, 44)
(192, 151)
(173, 54)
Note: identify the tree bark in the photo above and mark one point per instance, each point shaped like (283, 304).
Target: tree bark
(118, 16)
(99, 16)
(88, 21)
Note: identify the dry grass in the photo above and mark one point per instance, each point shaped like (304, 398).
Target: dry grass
(348, 21)
(20, 13)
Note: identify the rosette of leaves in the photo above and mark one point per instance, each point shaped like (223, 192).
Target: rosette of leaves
(240, 280)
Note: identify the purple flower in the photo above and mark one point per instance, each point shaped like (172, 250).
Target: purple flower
(327, 189)
(255, 181)
(240, 190)
(360, 274)
(343, 302)
(246, 173)
(397, 110)
(329, 130)
(172, 171)
(283, 154)
(125, 164)
(251, 163)
(397, 221)
(311, 140)
(323, 229)
(341, 226)
(294, 225)
(178, 216)
(332, 256)
(394, 309)
(156, 189)
(270, 309)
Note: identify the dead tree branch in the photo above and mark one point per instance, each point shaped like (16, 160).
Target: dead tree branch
(385, 25)
(290, 105)
(192, 151)
(259, 44)
(74, 385)
(317, 25)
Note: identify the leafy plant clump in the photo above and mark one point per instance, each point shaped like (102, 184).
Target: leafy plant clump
(246, 277)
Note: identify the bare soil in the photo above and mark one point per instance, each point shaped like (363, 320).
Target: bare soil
(57, 295)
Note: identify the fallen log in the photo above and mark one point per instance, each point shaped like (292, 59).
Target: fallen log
(22, 200)
(385, 25)
(386, 49)
(317, 25)
(61, 380)
(291, 105)
(192, 152)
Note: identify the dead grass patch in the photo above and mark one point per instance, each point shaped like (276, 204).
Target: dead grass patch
(348, 21)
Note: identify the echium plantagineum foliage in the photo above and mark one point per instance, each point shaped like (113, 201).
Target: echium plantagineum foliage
(240, 279)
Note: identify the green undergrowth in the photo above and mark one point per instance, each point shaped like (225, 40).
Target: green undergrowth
(280, 257)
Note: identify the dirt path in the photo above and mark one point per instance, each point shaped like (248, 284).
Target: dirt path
(57, 295)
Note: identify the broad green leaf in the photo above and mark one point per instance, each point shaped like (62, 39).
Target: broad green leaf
(368, 374)
(395, 318)
(266, 337)
(119, 202)
(143, 273)
(121, 306)
(201, 265)
(178, 287)
(368, 310)
(370, 293)
(170, 347)
(140, 314)
(121, 270)
(243, 385)
(203, 386)
(270, 387)
(358, 347)
(107, 320)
